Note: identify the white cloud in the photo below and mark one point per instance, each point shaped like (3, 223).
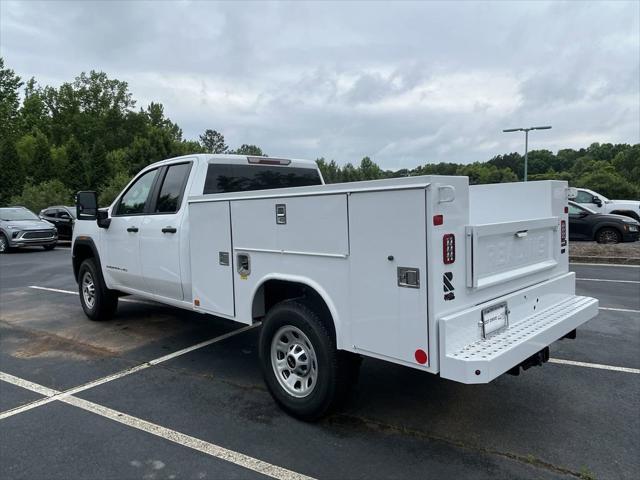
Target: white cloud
(406, 83)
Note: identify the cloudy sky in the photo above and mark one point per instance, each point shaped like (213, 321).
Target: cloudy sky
(405, 83)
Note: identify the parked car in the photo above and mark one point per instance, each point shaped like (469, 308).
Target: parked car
(20, 227)
(585, 224)
(62, 217)
(601, 204)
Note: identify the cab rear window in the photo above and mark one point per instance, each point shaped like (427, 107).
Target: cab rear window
(225, 178)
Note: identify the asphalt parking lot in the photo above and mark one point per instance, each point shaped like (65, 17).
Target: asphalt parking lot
(159, 393)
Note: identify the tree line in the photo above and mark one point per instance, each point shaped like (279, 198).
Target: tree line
(89, 134)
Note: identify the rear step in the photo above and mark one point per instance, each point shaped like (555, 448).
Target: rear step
(523, 342)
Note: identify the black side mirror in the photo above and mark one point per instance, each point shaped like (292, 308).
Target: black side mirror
(597, 201)
(86, 205)
(103, 218)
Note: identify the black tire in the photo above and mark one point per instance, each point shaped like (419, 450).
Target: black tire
(49, 247)
(105, 301)
(608, 235)
(4, 243)
(337, 371)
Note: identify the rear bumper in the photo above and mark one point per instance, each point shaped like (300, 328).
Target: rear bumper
(539, 316)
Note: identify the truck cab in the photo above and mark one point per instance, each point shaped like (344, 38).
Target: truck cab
(143, 239)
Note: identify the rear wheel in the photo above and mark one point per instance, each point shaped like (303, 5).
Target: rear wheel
(98, 302)
(4, 243)
(608, 235)
(302, 368)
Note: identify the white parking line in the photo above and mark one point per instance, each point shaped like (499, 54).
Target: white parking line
(73, 292)
(594, 365)
(109, 378)
(606, 280)
(619, 309)
(211, 449)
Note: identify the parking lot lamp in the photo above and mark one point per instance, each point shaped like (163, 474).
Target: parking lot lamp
(526, 142)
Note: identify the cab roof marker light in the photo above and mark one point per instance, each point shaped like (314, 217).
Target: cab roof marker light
(268, 161)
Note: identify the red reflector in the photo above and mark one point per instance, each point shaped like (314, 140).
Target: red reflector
(566, 209)
(421, 356)
(449, 248)
(438, 219)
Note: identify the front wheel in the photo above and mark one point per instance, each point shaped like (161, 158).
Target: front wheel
(98, 302)
(4, 243)
(303, 370)
(608, 235)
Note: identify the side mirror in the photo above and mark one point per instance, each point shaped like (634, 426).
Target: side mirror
(86, 205)
(597, 201)
(103, 218)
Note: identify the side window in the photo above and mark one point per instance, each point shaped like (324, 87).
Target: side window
(172, 189)
(135, 199)
(573, 210)
(223, 178)
(583, 197)
(49, 213)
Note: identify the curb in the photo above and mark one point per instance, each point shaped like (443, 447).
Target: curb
(611, 260)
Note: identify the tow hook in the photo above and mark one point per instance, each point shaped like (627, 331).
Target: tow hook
(535, 360)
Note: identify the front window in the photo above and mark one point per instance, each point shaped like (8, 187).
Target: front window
(17, 214)
(134, 201)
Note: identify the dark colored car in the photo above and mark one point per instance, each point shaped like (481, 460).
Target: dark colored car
(585, 224)
(62, 217)
(20, 227)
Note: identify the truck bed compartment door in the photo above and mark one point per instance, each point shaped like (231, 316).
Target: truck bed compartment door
(211, 257)
(501, 252)
(388, 276)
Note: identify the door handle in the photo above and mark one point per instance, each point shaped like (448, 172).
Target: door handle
(169, 230)
(132, 229)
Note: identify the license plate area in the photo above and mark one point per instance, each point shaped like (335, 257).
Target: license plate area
(494, 319)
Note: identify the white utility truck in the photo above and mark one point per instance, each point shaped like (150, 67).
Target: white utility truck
(427, 272)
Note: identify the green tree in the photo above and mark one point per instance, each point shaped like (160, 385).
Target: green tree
(252, 150)
(213, 142)
(42, 195)
(369, 170)
(11, 171)
(34, 112)
(97, 166)
(10, 84)
(74, 177)
(112, 188)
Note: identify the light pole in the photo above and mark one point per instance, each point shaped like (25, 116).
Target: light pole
(526, 142)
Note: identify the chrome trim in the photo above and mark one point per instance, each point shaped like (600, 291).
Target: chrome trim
(291, 252)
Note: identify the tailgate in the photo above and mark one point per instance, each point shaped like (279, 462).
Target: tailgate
(501, 252)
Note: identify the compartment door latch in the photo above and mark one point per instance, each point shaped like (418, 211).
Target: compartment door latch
(409, 277)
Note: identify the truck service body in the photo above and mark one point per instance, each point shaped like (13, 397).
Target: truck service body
(467, 282)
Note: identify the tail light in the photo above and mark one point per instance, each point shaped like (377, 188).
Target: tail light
(449, 248)
(563, 233)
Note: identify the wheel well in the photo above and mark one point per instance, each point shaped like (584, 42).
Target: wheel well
(80, 253)
(272, 292)
(605, 227)
(627, 213)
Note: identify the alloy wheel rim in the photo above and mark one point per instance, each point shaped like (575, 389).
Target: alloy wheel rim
(609, 237)
(294, 361)
(3, 243)
(88, 290)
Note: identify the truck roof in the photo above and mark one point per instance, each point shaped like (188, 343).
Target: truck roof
(239, 159)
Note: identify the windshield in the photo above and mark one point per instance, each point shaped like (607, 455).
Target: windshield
(15, 214)
(71, 211)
